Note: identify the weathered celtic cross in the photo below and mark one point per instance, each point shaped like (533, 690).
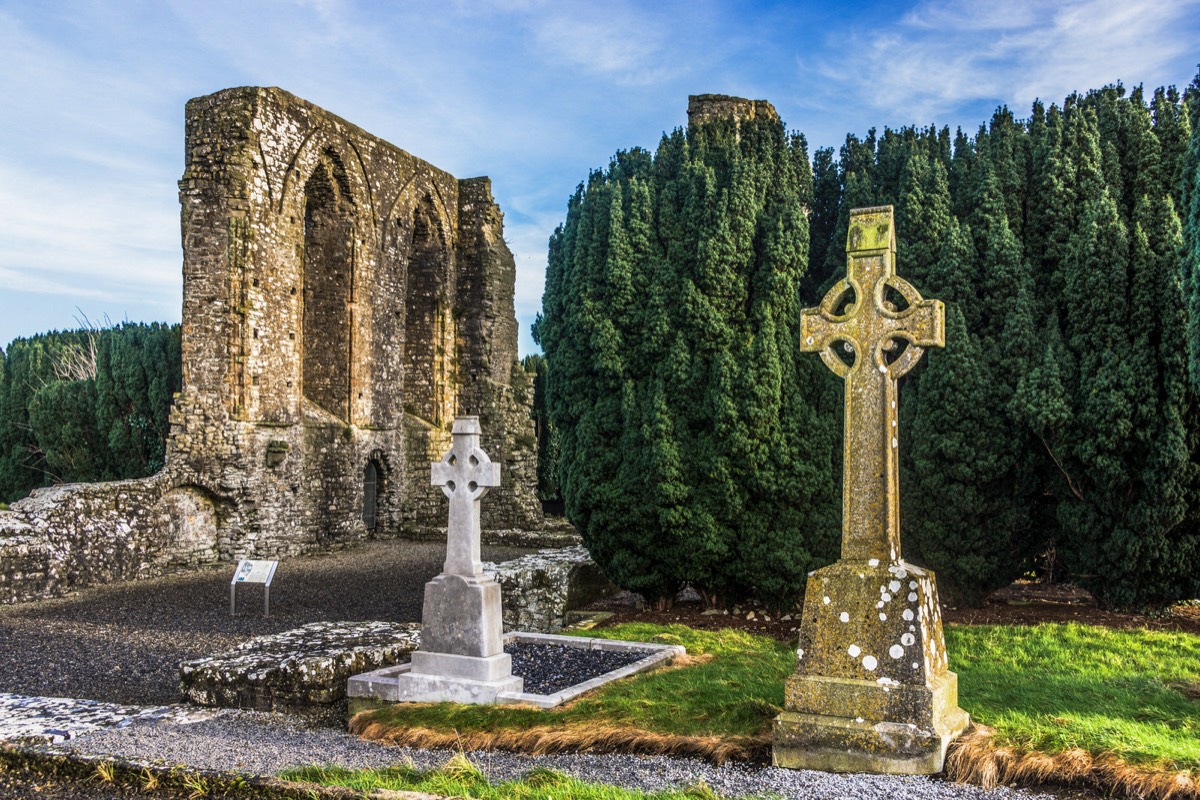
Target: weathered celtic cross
(872, 691)
(465, 475)
(871, 328)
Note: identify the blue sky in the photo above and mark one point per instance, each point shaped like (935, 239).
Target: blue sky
(532, 93)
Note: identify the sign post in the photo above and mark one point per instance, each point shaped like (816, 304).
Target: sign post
(249, 571)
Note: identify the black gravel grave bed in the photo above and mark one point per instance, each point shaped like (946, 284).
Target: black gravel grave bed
(550, 668)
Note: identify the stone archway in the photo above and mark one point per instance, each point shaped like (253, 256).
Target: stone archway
(328, 286)
(190, 526)
(429, 325)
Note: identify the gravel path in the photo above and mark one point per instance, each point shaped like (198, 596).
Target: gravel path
(123, 643)
(267, 743)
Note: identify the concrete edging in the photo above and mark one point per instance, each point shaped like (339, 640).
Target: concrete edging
(376, 684)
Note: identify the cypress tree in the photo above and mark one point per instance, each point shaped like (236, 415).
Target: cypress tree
(827, 192)
(856, 170)
(547, 438)
(1125, 468)
(954, 521)
(686, 454)
(1189, 191)
(1173, 129)
(986, 483)
(86, 405)
(62, 418)
(922, 217)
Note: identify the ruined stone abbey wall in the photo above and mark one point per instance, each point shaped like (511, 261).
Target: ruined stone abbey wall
(342, 301)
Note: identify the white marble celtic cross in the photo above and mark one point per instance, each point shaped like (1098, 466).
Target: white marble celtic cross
(465, 475)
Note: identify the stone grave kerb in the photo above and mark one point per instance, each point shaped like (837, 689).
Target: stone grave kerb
(461, 658)
(872, 690)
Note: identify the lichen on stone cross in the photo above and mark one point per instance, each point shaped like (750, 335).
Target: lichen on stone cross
(873, 324)
(465, 475)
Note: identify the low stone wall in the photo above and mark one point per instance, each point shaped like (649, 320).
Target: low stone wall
(74, 535)
(71, 536)
(539, 589)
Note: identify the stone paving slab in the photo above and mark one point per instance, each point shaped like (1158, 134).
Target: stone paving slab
(304, 668)
(57, 719)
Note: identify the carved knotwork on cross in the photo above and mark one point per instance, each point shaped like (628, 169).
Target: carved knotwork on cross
(873, 328)
(465, 475)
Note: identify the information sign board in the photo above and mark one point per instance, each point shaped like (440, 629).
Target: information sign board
(252, 571)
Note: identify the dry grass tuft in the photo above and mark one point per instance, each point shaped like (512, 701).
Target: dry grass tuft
(689, 660)
(591, 738)
(976, 758)
(1189, 690)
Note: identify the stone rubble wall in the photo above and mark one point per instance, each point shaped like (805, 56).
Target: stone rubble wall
(73, 535)
(539, 589)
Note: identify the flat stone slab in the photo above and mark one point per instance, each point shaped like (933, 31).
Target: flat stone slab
(57, 719)
(382, 685)
(302, 668)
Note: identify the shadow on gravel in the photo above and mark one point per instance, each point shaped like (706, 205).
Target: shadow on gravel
(123, 643)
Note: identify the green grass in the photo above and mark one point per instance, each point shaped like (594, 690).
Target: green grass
(1048, 688)
(1056, 687)
(735, 694)
(460, 778)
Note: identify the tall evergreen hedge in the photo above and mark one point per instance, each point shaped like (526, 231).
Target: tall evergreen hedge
(695, 443)
(1058, 431)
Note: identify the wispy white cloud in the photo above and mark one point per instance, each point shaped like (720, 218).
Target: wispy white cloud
(531, 92)
(604, 40)
(100, 241)
(941, 54)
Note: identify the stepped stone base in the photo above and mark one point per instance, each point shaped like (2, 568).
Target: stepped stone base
(872, 690)
(407, 686)
(834, 743)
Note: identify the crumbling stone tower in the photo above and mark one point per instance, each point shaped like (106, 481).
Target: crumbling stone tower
(342, 301)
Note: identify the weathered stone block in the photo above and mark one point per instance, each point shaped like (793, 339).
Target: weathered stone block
(462, 615)
(539, 590)
(299, 669)
(872, 692)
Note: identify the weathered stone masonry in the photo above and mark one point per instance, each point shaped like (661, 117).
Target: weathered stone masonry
(342, 301)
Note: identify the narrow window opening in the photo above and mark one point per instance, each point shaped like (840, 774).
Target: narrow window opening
(371, 496)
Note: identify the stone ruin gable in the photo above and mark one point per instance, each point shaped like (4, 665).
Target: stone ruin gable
(409, 287)
(343, 300)
(705, 107)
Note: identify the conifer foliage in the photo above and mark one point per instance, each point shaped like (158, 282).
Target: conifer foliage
(1058, 431)
(86, 405)
(1059, 427)
(695, 444)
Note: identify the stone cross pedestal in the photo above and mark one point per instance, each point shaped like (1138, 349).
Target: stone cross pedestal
(872, 691)
(461, 658)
